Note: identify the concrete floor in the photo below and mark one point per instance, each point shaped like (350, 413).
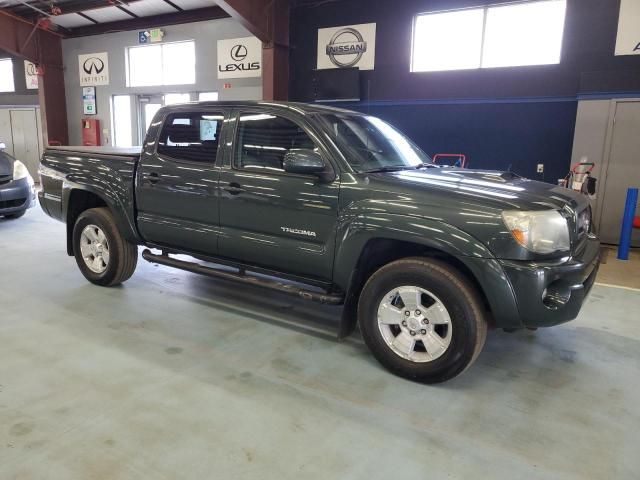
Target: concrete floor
(178, 376)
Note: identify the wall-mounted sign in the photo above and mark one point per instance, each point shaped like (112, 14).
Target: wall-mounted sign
(94, 69)
(31, 75)
(347, 47)
(628, 42)
(154, 35)
(89, 101)
(239, 58)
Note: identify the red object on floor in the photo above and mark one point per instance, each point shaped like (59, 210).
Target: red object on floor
(636, 222)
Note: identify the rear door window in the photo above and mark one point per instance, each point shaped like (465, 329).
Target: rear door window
(193, 136)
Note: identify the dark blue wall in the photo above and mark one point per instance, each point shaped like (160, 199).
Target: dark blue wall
(498, 117)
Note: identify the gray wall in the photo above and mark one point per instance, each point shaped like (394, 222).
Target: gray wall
(205, 34)
(21, 96)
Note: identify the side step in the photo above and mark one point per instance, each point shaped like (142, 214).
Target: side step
(326, 298)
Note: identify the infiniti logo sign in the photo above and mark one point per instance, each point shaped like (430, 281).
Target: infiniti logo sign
(239, 53)
(93, 66)
(346, 48)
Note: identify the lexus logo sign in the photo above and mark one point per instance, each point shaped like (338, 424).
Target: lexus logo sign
(94, 69)
(93, 66)
(239, 53)
(239, 58)
(346, 47)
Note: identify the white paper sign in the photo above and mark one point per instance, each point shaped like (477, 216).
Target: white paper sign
(628, 42)
(94, 69)
(30, 75)
(240, 58)
(347, 47)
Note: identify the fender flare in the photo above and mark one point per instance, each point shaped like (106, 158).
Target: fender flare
(432, 235)
(126, 224)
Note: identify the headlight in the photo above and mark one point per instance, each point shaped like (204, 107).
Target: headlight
(19, 170)
(544, 231)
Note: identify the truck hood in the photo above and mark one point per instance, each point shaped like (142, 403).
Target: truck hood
(500, 190)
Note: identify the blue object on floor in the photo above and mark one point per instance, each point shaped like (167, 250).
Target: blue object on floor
(627, 224)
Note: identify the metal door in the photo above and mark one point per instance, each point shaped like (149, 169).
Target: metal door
(270, 218)
(623, 172)
(26, 145)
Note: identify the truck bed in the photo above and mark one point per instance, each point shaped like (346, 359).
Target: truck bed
(115, 151)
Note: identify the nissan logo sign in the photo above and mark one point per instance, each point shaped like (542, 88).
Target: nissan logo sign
(239, 53)
(93, 66)
(346, 48)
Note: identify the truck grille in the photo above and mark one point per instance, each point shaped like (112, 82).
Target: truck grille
(4, 179)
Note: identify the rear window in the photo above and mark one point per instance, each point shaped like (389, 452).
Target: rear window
(191, 136)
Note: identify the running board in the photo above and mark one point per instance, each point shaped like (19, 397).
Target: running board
(326, 298)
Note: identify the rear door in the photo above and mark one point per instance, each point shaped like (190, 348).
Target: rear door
(177, 181)
(270, 218)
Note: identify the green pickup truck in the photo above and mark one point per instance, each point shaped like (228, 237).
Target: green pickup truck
(335, 207)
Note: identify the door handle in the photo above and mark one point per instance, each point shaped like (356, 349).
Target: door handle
(234, 188)
(153, 177)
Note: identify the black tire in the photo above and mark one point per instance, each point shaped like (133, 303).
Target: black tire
(459, 297)
(14, 216)
(123, 256)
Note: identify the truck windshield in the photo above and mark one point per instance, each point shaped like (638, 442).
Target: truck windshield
(370, 144)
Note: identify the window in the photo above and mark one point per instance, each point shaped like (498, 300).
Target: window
(370, 144)
(511, 35)
(165, 64)
(6, 75)
(208, 97)
(191, 136)
(176, 98)
(265, 139)
(122, 133)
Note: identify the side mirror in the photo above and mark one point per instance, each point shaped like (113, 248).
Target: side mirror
(304, 162)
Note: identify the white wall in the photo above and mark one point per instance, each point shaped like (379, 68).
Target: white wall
(206, 34)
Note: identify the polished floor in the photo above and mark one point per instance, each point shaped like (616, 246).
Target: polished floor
(175, 376)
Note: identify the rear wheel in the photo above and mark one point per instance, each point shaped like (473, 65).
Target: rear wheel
(422, 319)
(102, 254)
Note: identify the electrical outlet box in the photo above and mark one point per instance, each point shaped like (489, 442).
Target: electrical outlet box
(541, 168)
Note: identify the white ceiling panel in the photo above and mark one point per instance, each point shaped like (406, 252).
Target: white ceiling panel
(107, 14)
(146, 8)
(193, 4)
(71, 20)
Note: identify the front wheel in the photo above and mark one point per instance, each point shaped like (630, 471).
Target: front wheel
(104, 257)
(422, 319)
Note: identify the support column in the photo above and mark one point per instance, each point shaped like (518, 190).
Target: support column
(269, 21)
(44, 48)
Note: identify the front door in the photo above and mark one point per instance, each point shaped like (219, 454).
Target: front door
(270, 218)
(177, 182)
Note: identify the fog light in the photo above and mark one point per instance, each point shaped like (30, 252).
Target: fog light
(556, 295)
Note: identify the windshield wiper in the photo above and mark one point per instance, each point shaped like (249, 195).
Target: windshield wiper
(396, 168)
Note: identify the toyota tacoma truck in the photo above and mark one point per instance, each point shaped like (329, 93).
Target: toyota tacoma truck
(335, 207)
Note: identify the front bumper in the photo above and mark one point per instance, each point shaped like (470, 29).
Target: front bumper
(548, 294)
(17, 196)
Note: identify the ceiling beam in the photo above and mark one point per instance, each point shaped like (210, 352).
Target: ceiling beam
(269, 21)
(251, 14)
(29, 41)
(177, 18)
(70, 6)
